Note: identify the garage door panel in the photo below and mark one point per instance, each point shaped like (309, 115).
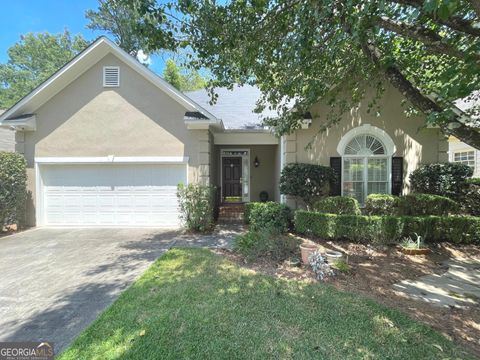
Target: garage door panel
(112, 195)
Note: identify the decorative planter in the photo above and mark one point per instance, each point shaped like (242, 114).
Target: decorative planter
(414, 251)
(333, 255)
(307, 250)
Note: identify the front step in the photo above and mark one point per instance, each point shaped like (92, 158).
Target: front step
(232, 213)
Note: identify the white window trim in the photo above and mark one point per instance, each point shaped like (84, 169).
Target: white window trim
(245, 161)
(390, 149)
(104, 76)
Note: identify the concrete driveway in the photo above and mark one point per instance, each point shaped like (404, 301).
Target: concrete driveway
(55, 282)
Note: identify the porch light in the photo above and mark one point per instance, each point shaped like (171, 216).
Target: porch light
(256, 162)
(307, 120)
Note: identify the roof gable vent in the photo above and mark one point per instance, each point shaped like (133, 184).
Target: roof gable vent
(111, 76)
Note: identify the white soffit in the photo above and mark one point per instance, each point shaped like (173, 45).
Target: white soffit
(245, 138)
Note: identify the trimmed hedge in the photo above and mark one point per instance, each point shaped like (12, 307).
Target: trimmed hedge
(196, 204)
(426, 204)
(268, 215)
(340, 205)
(381, 204)
(471, 198)
(388, 229)
(13, 188)
(446, 179)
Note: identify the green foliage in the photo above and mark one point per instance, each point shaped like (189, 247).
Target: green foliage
(265, 243)
(298, 52)
(342, 266)
(471, 198)
(409, 243)
(309, 182)
(13, 188)
(248, 209)
(32, 60)
(196, 204)
(120, 21)
(388, 229)
(269, 215)
(182, 79)
(340, 205)
(426, 204)
(445, 179)
(381, 204)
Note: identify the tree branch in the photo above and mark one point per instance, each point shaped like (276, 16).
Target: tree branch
(455, 125)
(453, 22)
(426, 36)
(476, 6)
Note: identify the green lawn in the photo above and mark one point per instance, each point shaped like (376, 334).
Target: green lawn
(194, 304)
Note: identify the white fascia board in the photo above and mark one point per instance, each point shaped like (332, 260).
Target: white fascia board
(24, 124)
(113, 160)
(245, 138)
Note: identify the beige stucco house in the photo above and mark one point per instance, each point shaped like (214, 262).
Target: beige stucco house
(107, 141)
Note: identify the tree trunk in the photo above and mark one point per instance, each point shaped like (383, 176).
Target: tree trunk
(454, 126)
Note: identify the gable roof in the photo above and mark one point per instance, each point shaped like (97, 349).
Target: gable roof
(81, 63)
(235, 107)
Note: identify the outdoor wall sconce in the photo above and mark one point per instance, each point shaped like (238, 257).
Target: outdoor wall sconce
(256, 162)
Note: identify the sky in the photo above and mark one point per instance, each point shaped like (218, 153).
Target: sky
(23, 16)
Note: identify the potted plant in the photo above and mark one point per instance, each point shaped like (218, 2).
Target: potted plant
(413, 247)
(306, 250)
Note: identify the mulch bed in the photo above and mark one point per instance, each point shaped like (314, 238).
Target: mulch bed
(376, 268)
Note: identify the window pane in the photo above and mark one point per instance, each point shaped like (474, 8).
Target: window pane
(353, 169)
(465, 157)
(377, 170)
(377, 188)
(354, 189)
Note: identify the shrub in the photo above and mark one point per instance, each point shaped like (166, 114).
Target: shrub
(248, 209)
(265, 243)
(381, 204)
(269, 215)
(446, 179)
(196, 204)
(340, 205)
(471, 198)
(426, 204)
(13, 188)
(388, 229)
(320, 267)
(309, 182)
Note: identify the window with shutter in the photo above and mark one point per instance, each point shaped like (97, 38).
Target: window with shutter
(111, 76)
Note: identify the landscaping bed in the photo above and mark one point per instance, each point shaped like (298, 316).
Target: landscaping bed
(374, 269)
(194, 304)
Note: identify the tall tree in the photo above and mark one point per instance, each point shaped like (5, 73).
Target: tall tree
(302, 50)
(119, 20)
(32, 60)
(183, 79)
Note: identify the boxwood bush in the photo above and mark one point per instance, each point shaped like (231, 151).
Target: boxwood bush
(381, 204)
(308, 182)
(426, 204)
(13, 188)
(471, 199)
(196, 204)
(446, 179)
(268, 215)
(388, 229)
(340, 205)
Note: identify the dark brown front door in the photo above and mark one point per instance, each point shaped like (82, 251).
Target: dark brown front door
(232, 174)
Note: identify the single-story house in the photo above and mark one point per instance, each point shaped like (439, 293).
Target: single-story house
(7, 138)
(107, 141)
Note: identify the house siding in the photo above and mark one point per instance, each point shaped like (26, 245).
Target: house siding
(415, 143)
(136, 119)
(456, 146)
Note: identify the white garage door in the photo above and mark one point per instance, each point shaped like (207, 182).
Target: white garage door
(112, 194)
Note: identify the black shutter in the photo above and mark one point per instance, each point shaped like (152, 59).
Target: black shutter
(336, 165)
(397, 175)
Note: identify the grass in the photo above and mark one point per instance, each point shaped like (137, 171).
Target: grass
(194, 304)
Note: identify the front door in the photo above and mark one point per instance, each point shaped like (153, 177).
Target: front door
(232, 175)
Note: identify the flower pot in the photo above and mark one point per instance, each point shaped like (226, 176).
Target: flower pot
(307, 250)
(414, 251)
(333, 255)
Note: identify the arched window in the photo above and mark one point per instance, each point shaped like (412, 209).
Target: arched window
(366, 162)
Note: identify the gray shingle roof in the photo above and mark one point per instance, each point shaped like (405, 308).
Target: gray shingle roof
(234, 107)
